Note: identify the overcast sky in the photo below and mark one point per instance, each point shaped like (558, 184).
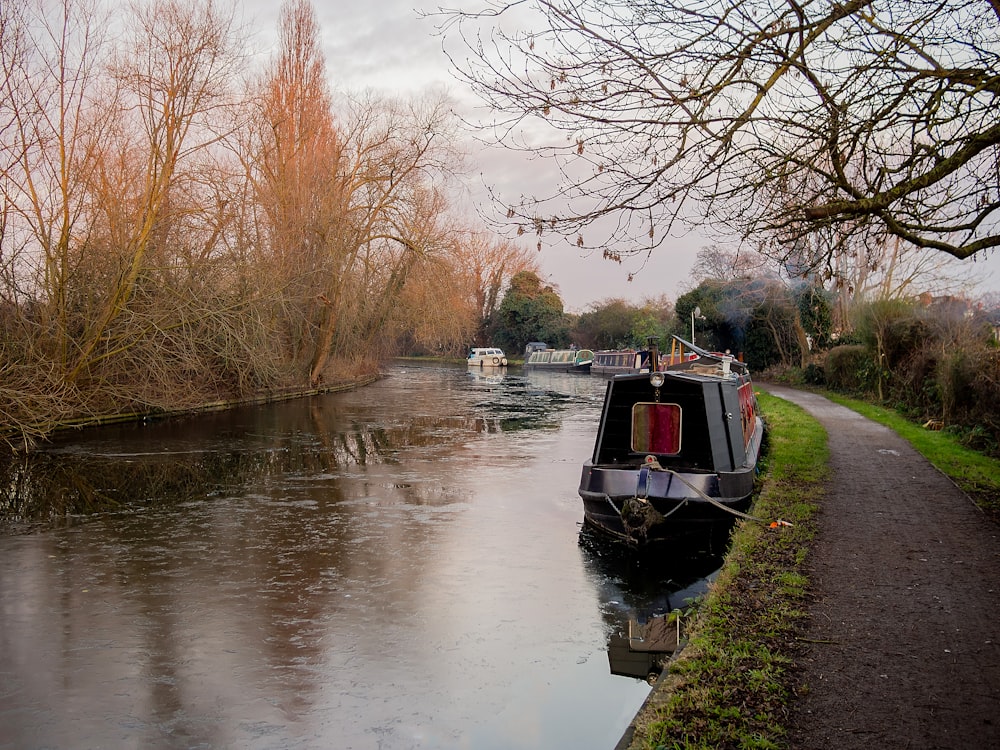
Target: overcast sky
(385, 45)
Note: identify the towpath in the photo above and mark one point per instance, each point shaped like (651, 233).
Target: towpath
(903, 642)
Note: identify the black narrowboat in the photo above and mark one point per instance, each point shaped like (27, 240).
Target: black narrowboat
(676, 450)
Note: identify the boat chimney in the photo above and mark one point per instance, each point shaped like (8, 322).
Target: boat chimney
(654, 353)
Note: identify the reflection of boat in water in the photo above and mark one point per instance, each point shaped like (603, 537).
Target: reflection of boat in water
(644, 650)
(560, 360)
(676, 450)
(641, 593)
(489, 356)
(487, 375)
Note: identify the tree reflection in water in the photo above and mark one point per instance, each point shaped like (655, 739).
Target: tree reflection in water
(398, 565)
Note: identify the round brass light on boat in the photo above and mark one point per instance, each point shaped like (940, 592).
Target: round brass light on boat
(656, 379)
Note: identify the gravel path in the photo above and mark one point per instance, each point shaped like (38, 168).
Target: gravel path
(903, 645)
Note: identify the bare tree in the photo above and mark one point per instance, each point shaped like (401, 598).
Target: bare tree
(772, 118)
(391, 213)
(451, 297)
(174, 79)
(295, 160)
(52, 128)
(489, 263)
(349, 200)
(434, 313)
(718, 263)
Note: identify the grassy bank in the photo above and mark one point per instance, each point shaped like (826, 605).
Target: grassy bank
(730, 686)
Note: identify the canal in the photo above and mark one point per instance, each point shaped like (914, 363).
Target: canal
(398, 566)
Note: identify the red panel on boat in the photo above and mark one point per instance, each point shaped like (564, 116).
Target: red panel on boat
(656, 428)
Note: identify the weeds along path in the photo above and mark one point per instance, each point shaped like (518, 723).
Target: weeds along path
(903, 643)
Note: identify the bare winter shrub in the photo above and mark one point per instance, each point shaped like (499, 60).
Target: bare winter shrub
(984, 406)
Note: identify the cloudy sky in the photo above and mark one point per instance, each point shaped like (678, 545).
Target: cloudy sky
(386, 45)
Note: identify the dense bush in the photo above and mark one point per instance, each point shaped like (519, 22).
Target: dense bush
(814, 374)
(846, 368)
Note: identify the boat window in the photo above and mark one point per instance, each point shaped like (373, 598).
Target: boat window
(656, 428)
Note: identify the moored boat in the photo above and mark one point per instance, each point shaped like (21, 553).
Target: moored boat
(561, 360)
(620, 362)
(676, 449)
(487, 357)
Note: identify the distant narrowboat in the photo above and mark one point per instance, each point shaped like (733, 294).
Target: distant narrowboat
(561, 360)
(621, 362)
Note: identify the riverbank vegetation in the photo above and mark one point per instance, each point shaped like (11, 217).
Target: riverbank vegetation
(180, 226)
(934, 363)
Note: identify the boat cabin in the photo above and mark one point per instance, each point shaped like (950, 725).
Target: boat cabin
(691, 421)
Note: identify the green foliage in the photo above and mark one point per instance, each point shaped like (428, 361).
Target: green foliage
(606, 326)
(710, 322)
(771, 334)
(955, 379)
(530, 312)
(618, 324)
(845, 368)
(756, 318)
(644, 327)
(931, 360)
(815, 306)
(814, 374)
(888, 327)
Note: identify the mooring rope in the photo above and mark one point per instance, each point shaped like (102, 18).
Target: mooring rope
(655, 466)
(712, 500)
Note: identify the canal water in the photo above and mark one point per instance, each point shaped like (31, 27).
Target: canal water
(398, 566)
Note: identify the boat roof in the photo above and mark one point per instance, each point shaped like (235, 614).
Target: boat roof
(704, 359)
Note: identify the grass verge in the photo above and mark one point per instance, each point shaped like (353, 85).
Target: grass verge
(731, 685)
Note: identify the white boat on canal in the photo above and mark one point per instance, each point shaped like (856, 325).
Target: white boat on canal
(487, 357)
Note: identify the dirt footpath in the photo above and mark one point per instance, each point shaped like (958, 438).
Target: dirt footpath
(903, 645)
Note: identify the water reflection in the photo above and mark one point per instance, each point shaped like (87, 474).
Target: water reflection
(639, 591)
(394, 567)
(171, 460)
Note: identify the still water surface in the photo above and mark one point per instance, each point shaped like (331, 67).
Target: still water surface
(400, 566)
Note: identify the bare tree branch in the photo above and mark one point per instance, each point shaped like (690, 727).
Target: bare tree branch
(772, 118)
